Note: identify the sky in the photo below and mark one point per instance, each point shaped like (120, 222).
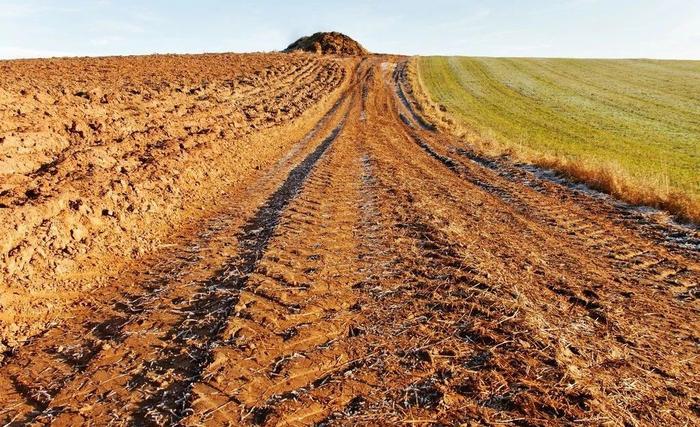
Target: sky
(555, 28)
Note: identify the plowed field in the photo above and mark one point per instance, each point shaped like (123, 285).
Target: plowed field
(357, 267)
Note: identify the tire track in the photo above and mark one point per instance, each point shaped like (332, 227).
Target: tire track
(400, 77)
(209, 313)
(294, 325)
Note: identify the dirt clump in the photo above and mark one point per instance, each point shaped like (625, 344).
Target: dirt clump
(328, 43)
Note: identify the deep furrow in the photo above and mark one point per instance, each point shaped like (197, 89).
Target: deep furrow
(400, 79)
(282, 82)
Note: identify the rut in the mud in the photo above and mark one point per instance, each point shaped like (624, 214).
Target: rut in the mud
(207, 314)
(400, 81)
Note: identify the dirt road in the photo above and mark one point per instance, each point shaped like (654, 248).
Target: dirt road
(383, 273)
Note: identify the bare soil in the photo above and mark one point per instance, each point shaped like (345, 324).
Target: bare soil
(365, 269)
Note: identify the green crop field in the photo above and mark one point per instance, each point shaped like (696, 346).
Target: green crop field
(640, 117)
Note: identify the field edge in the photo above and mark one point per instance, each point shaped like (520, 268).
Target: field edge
(608, 178)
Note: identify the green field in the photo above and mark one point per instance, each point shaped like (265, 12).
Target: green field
(639, 117)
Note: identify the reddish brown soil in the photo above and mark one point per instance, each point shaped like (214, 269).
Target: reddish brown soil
(377, 272)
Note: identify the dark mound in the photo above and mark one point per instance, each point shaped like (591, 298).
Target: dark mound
(328, 43)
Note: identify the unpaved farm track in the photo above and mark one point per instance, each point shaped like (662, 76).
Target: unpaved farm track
(382, 273)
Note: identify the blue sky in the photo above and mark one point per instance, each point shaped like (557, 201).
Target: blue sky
(556, 28)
